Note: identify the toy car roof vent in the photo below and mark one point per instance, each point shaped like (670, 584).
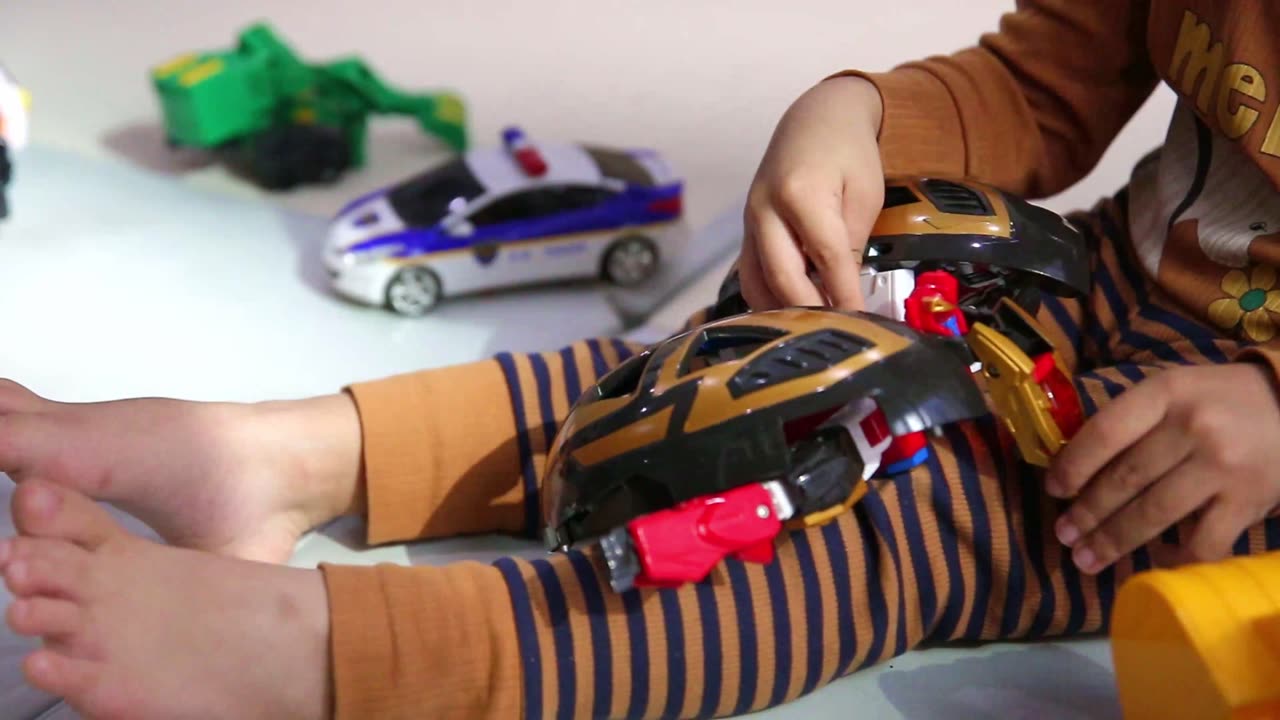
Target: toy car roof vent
(895, 195)
(623, 379)
(722, 344)
(805, 355)
(956, 199)
(526, 155)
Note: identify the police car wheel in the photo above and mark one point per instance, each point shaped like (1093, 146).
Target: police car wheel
(413, 291)
(630, 260)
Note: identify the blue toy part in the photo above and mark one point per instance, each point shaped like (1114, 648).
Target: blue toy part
(904, 464)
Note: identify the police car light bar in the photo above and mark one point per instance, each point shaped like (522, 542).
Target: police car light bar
(528, 157)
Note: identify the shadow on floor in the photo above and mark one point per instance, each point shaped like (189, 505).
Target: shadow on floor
(1040, 681)
(144, 145)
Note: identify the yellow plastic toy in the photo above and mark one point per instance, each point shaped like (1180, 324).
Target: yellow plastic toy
(1028, 382)
(1201, 642)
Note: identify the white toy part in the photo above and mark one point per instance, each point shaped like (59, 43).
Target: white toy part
(885, 293)
(15, 105)
(858, 418)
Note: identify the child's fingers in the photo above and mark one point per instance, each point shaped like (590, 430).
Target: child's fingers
(1168, 500)
(825, 240)
(751, 279)
(1217, 530)
(1130, 473)
(783, 263)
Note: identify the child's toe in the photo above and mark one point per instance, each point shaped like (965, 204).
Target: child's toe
(43, 509)
(40, 566)
(43, 616)
(79, 681)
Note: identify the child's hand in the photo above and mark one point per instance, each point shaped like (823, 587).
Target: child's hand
(1192, 440)
(814, 199)
(243, 480)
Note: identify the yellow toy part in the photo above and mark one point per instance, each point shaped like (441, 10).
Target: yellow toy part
(1200, 642)
(1022, 402)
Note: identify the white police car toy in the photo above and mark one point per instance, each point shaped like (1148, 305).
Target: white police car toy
(507, 216)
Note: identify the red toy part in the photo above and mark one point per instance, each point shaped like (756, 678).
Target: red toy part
(681, 545)
(932, 305)
(1064, 403)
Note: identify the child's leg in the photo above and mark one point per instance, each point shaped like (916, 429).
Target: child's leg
(239, 479)
(963, 548)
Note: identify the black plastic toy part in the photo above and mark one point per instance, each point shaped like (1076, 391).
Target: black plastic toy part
(6, 175)
(925, 385)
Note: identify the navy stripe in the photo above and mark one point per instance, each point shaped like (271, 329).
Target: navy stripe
(838, 560)
(779, 608)
(1241, 546)
(526, 637)
(944, 510)
(1271, 530)
(1141, 559)
(712, 654)
(601, 645)
(875, 591)
(639, 647)
(572, 383)
(983, 572)
(1075, 593)
(529, 475)
(748, 662)
(914, 539)
(597, 358)
(878, 514)
(1064, 320)
(621, 348)
(562, 637)
(1132, 338)
(814, 631)
(677, 674)
(1033, 533)
(1199, 335)
(542, 381)
(1105, 582)
(1015, 585)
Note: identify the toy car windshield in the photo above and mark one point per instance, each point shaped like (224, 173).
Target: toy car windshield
(425, 200)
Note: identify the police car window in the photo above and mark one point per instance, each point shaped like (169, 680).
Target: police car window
(620, 165)
(580, 197)
(424, 200)
(719, 345)
(520, 206)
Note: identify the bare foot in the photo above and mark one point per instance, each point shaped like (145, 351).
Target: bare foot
(133, 629)
(235, 479)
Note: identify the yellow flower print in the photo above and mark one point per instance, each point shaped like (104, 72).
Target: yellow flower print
(1250, 297)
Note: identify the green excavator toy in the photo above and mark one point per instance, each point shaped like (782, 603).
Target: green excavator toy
(283, 121)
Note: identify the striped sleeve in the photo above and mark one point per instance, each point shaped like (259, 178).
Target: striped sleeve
(1024, 109)
(960, 549)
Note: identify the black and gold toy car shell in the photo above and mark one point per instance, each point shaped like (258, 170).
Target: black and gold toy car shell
(735, 401)
(985, 237)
